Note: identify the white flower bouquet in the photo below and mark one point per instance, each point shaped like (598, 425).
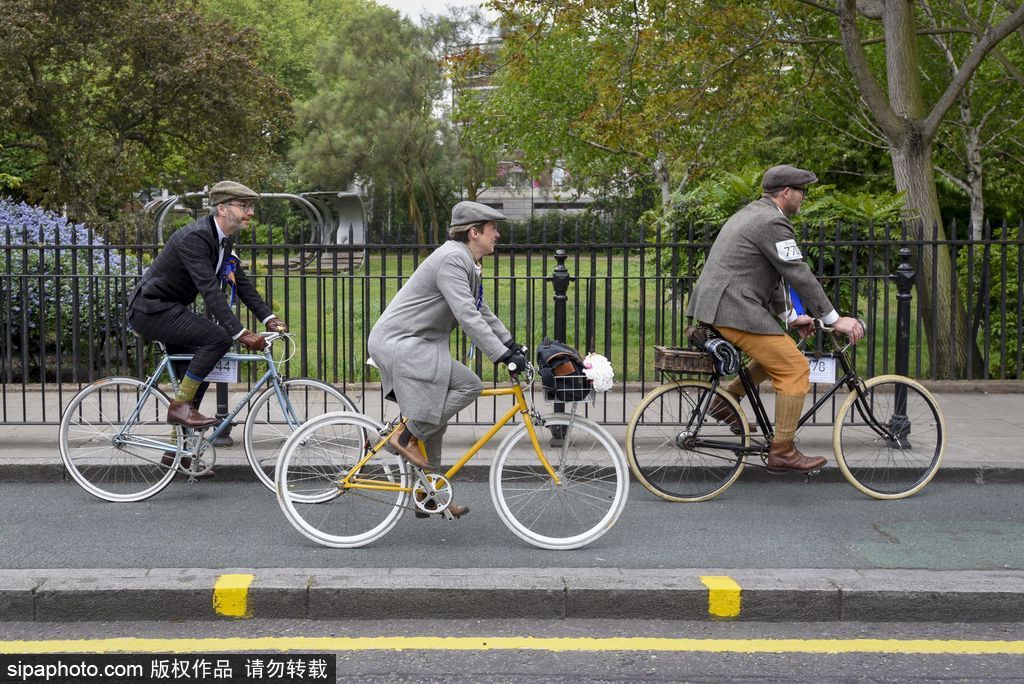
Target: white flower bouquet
(600, 371)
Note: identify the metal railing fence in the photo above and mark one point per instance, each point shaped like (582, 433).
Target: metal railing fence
(62, 324)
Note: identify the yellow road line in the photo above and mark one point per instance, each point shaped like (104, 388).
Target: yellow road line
(283, 644)
(231, 595)
(724, 595)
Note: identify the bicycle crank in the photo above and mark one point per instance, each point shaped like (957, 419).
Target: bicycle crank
(432, 493)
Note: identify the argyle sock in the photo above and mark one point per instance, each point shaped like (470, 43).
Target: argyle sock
(187, 389)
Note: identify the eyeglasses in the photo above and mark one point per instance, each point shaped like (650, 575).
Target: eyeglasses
(803, 191)
(244, 206)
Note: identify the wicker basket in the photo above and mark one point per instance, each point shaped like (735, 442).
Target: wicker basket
(677, 360)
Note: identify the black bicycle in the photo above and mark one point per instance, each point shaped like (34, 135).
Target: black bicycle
(888, 436)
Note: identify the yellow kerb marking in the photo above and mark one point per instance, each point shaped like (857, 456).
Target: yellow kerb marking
(724, 595)
(477, 643)
(231, 595)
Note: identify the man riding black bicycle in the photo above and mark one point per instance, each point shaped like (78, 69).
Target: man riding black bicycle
(741, 290)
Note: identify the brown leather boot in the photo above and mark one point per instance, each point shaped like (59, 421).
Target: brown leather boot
(784, 457)
(409, 451)
(457, 511)
(183, 413)
(721, 412)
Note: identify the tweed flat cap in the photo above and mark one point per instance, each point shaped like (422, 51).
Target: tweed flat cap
(465, 214)
(786, 176)
(230, 190)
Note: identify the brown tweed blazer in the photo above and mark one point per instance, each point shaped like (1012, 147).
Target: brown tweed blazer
(742, 284)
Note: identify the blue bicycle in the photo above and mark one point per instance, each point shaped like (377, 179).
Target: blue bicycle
(115, 441)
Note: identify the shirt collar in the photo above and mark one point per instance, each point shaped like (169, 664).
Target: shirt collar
(222, 237)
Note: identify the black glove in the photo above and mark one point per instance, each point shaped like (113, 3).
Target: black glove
(514, 346)
(515, 361)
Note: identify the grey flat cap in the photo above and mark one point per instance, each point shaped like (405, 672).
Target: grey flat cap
(786, 176)
(230, 190)
(467, 213)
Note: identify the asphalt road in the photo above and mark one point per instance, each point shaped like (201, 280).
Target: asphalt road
(590, 656)
(784, 524)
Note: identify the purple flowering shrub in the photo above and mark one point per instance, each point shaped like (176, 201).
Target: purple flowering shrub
(62, 290)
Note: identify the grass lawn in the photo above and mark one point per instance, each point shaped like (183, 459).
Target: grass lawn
(634, 309)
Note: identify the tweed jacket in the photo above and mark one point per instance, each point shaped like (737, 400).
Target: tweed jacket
(743, 282)
(410, 340)
(185, 268)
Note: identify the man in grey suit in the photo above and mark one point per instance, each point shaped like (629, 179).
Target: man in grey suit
(189, 265)
(742, 292)
(410, 341)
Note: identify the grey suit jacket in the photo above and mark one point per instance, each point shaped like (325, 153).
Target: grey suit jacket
(185, 268)
(742, 283)
(410, 340)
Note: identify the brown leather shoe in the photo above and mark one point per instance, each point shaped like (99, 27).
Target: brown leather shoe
(186, 463)
(409, 452)
(457, 511)
(721, 411)
(184, 414)
(784, 457)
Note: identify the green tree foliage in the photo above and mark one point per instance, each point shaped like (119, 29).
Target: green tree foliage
(292, 33)
(372, 115)
(99, 98)
(627, 92)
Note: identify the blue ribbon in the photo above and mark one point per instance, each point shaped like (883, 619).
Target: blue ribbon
(227, 273)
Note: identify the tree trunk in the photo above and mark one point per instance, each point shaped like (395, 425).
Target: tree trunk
(946, 326)
(415, 215)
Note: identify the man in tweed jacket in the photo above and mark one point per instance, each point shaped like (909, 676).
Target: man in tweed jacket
(742, 290)
(410, 341)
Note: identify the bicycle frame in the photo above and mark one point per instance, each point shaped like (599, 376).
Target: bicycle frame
(850, 379)
(520, 407)
(166, 365)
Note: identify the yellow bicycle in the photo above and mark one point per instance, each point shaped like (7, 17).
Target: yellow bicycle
(342, 489)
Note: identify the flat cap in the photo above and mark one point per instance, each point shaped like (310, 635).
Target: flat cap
(467, 213)
(786, 176)
(230, 190)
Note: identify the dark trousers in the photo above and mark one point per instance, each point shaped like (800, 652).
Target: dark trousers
(185, 333)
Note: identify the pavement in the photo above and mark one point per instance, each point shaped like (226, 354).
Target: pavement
(985, 446)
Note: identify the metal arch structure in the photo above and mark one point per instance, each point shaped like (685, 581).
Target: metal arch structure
(344, 225)
(335, 218)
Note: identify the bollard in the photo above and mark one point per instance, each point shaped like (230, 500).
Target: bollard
(224, 439)
(560, 280)
(904, 277)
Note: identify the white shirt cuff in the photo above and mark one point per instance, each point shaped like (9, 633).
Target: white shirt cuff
(239, 334)
(830, 318)
(791, 315)
(268, 318)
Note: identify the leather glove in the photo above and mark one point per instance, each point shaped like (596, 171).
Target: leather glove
(515, 361)
(514, 346)
(252, 340)
(277, 325)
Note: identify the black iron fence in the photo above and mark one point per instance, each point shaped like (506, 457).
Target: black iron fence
(621, 292)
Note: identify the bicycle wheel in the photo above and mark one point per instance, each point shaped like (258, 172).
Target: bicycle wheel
(313, 463)
(588, 498)
(889, 439)
(267, 427)
(112, 437)
(679, 454)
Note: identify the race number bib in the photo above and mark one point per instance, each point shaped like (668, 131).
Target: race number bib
(224, 371)
(823, 370)
(788, 250)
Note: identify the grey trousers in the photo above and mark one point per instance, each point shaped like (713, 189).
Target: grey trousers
(463, 388)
